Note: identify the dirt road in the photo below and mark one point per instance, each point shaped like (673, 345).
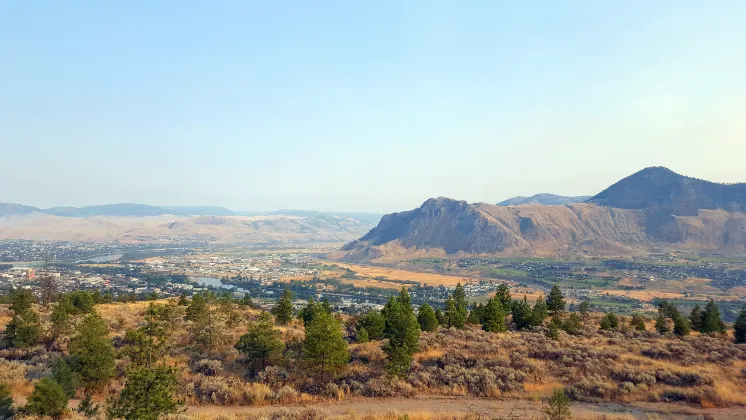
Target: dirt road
(523, 410)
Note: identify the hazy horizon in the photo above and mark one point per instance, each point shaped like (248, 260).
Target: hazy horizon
(334, 106)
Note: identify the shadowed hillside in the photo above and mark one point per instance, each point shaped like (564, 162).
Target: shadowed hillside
(660, 190)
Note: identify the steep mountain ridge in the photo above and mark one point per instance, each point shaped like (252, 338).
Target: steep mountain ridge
(446, 226)
(662, 191)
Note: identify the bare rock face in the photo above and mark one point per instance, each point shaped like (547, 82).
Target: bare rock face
(445, 226)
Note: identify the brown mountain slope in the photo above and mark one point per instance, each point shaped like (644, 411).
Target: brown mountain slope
(180, 229)
(445, 226)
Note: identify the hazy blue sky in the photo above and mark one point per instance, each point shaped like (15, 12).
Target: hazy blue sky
(352, 105)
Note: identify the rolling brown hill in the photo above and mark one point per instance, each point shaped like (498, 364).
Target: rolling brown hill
(444, 226)
(168, 229)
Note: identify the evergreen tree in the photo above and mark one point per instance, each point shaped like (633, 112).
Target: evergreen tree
(61, 318)
(147, 344)
(405, 300)
(584, 308)
(637, 322)
(283, 310)
(739, 327)
(80, 300)
(522, 314)
(681, 326)
(475, 314)
(374, 323)
(197, 308)
(64, 375)
(208, 332)
(426, 318)
(661, 325)
(6, 402)
(326, 306)
(556, 300)
(246, 301)
(262, 343)
(361, 336)
(448, 313)
(403, 332)
(440, 317)
(183, 301)
(667, 309)
(308, 312)
(47, 399)
(494, 316)
(695, 318)
(459, 310)
(711, 322)
(573, 325)
(609, 322)
(553, 329)
(324, 347)
(148, 394)
(92, 353)
(539, 313)
(21, 300)
(24, 329)
(503, 295)
(559, 406)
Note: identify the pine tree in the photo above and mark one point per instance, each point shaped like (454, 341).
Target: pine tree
(539, 313)
(326, 306)
(573, 325)
(6, 402)
(405, 300)
(556, 300)
(440, 317)
(208, 332)
(637, 322)
(681, 326)
(426, 318)
(61, 318)
(374, 323)
(695, 318)
(324, 347)
(503, 295)
(661, 324)
(92, 353)
(609, 322)
(460, 313)
(197, 308)
(494, 316)
(475, 314)
(739, 327)
(403, 332)
(148, 394)
(21, 300)
(584, 308)
(47, 399)
(64, 375)
(522, 314)
(449, 313)
(361, 336)
(667, 309)
(147, 344)
(283, 310)
(308, 312)
(711, 322)
(24, 329)
(559, 406)
(262, 343)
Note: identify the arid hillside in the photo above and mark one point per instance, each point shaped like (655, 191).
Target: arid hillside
(445, 226)
(183, 229)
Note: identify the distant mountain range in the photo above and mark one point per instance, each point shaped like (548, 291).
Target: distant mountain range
(141, 223)
(544, 198)
(142, 210)
(651, 209)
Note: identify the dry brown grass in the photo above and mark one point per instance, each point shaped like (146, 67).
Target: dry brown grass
(368, 273)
